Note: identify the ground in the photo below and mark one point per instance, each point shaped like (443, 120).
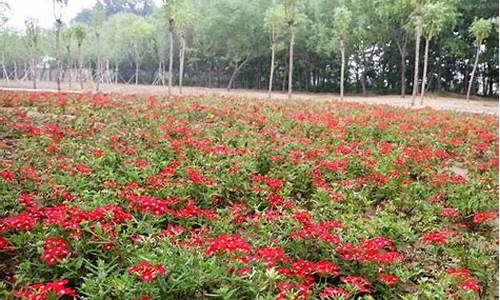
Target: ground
(451, 102)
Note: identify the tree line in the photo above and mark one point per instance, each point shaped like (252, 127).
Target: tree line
(360, 46)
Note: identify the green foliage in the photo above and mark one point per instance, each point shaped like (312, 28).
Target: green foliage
(436, 17)
(481, 28)
(342, 22)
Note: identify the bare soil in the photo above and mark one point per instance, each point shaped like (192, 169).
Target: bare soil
(439, 102)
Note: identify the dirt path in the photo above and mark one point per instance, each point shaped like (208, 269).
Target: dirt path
(435, 102)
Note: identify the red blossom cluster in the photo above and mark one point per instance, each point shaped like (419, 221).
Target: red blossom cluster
(469, 283)
(228, 243)
(196, 177)
(42, 291)
(438, 237)
(484, 216)
(55, 249)
(147, 271)
(273, 183)
(334, 292)
(321, 231)
(378, 250)
(360, 283)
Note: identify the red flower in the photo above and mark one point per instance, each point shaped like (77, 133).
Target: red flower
(42, 291)
(360, 283)
(8, 175)
(54, 250)
(334, 292)
(228, 243)
(438, 237)
(449, 212)
(388, 278)
(146, 271)
(470, 285)
(485, 216)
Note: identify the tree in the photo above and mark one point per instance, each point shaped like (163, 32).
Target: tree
(57, 10)
(418, 12)
(274, 21)
(184, 19)
(395, 15)
(98, 18)
(80, 34)
(138, 37)
(291, 14)
(435, 17)
(67, 38)
(342, 17)
(171, 7)
(480, 30)
(32, 43)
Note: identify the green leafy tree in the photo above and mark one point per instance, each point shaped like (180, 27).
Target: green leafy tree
(98, 18)
(435, 18)
(139, 36)
(58, 6)
(80, 33)
(291, 13)
(185, 17)
(480, 30)
(418, 12)
(274, 22)
(171, 8)
(342, 19)
(33, 44)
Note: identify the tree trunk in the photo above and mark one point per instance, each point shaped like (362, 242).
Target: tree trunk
(403, 72)
(69, 67)
(471, 80)
(271, 75)
(136, 73)
(290, 61)
(342, 51)
(170, 54)
(58, 53)
(80, 66)
(417, 54)
(33, 72)
(116, 73)
(182, 54)
(424, 74)
(440, 71)
(235, 73)
(4, 70)
(98, 62)
(16, 75)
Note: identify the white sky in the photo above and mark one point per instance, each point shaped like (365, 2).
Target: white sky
(41, 10)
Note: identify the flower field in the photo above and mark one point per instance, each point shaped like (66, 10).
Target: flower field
(137, 197)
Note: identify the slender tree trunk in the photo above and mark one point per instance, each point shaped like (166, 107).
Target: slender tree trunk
(471, 80)
(33, 72)
(98, 62)
(80, 66)
(182, 54)
(16, 75)
(69, 66)
(402, 52)
(235, 73)
(116, 73)
(58, 53)
(170, 54)
(136, 73)
(417, 55)
(440, 71)
(4, 70)
(342, 50)
(290, 61)
(271, 75)
(424, 74)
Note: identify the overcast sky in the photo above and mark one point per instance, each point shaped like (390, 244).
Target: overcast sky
(41, 10)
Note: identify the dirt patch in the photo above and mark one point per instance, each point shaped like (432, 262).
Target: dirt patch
(453, 103)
